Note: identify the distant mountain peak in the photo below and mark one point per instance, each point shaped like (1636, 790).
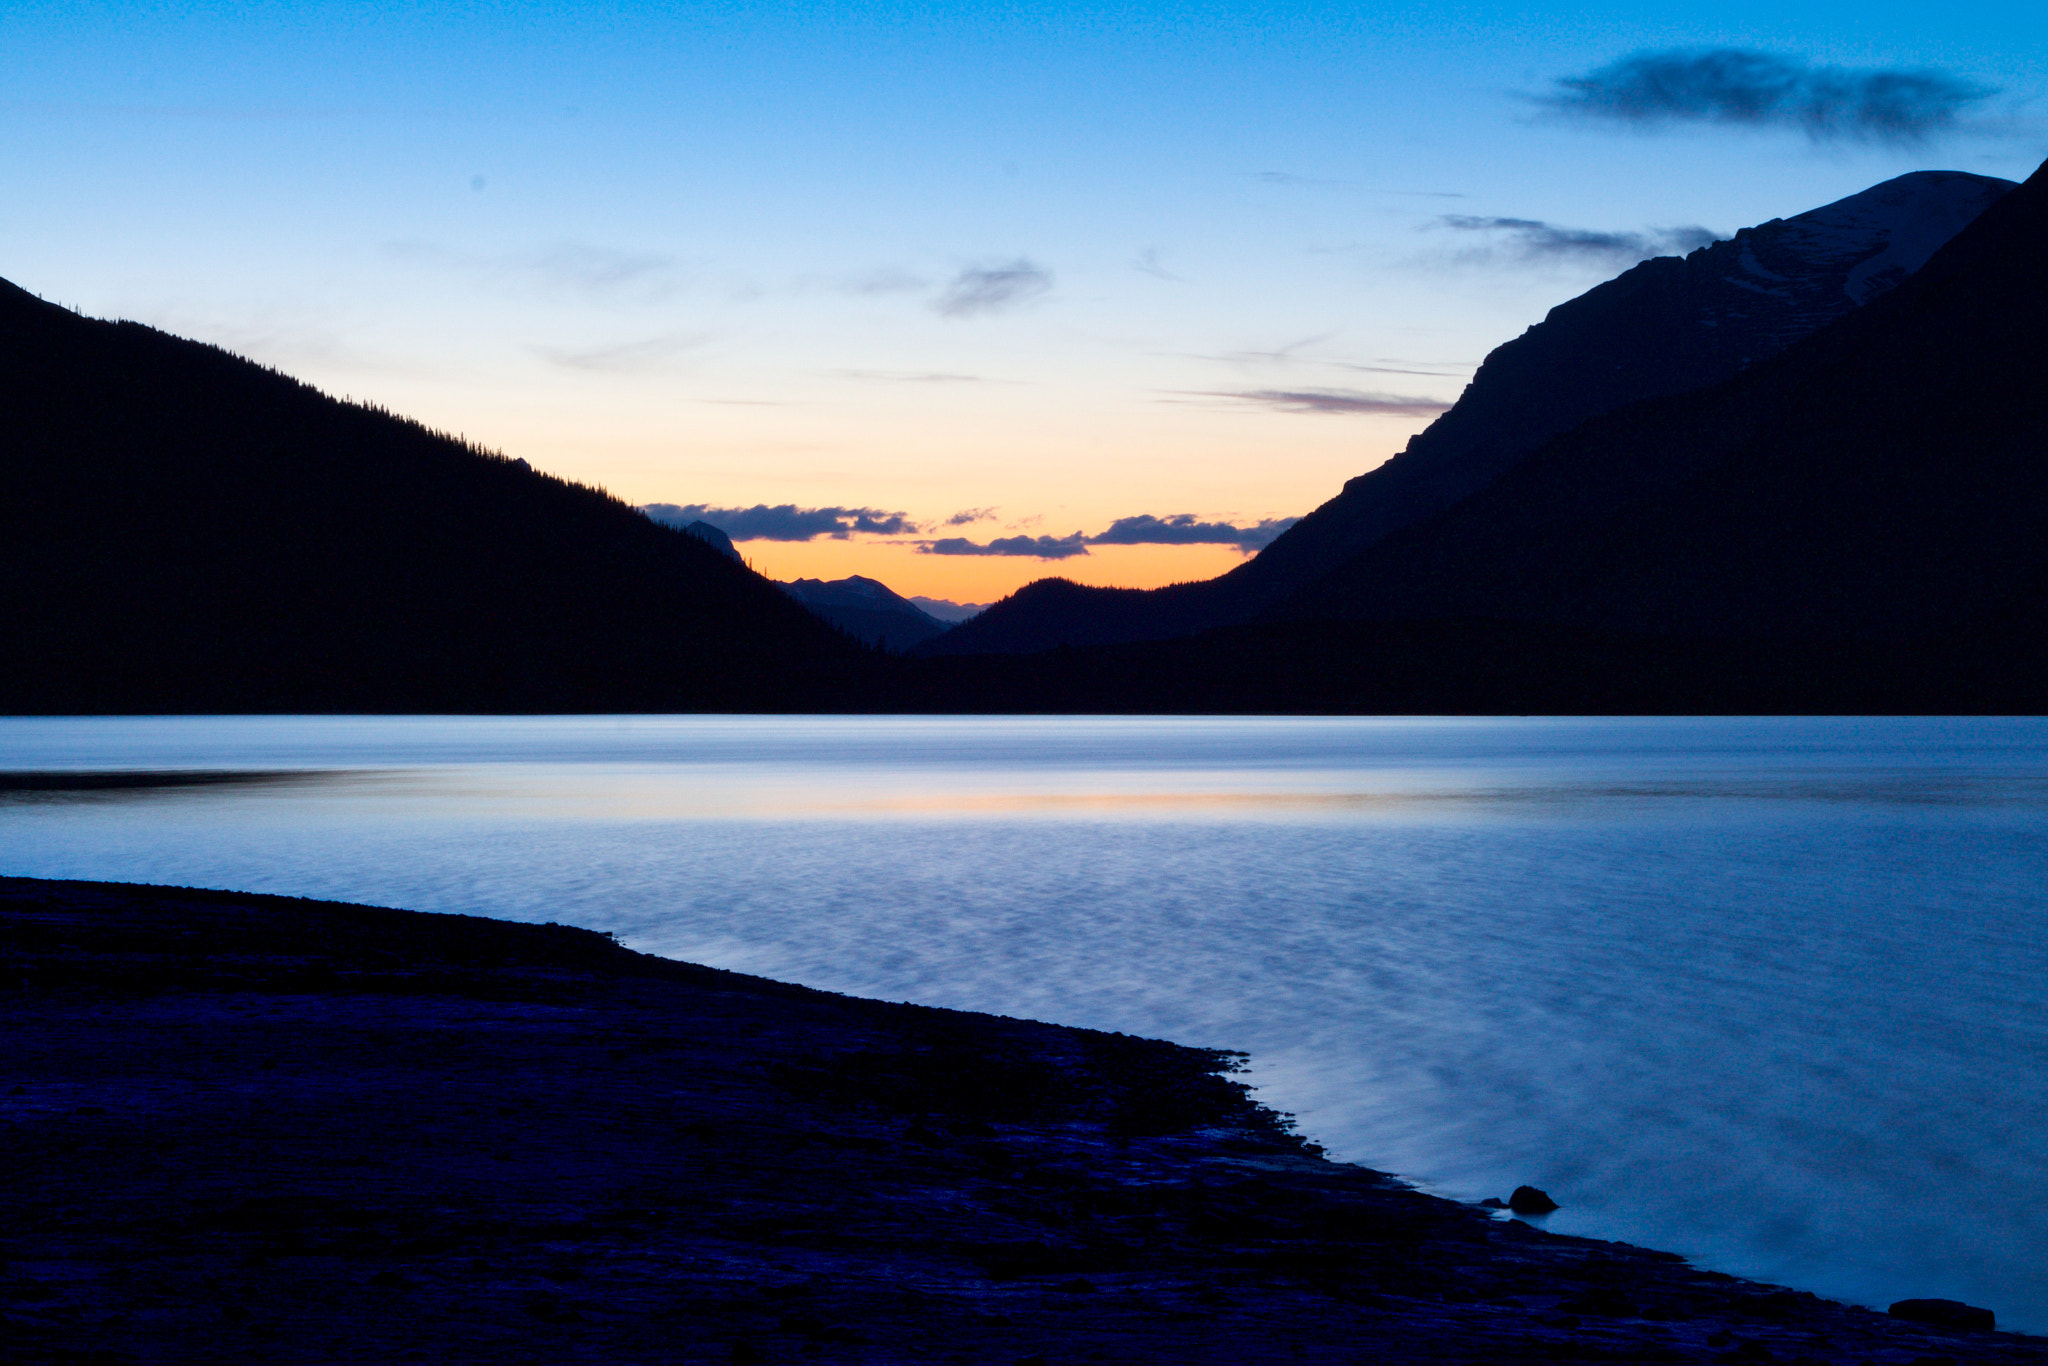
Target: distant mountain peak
(868, 609)
(946, 610)
(1912, 215)
(852, 588)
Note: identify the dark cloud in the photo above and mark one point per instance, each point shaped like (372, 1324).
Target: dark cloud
(1264, 533)
(1183, 529)
(990, 289)
(969, 516)
(1734, 86)
(1534, 240)
(1033, 547)
(1145, 529)
(1342, 401)
(785, 522)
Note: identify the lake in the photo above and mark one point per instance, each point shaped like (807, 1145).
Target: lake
(1772, 993)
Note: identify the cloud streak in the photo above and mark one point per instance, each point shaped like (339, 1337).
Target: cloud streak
(605, 276)
(785, 521)
(1352, 402)
(1531, 239)
(885, 280)
(624, 357)
(978, 290)
(1734, 86)
(604, 272)
(911, 377)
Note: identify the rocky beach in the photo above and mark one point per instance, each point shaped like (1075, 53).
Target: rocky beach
(244, 1127)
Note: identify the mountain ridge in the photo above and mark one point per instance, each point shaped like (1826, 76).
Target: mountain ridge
(1879, 480)
(1667, 325)
(183, 529)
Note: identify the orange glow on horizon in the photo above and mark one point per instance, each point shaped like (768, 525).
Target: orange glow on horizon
(971, 578)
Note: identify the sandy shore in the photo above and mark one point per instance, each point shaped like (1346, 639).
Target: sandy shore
(244, 1128)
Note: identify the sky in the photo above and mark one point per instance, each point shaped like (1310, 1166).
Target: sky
(952, 295)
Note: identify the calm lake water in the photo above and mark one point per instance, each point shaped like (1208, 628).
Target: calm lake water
(1770, 993)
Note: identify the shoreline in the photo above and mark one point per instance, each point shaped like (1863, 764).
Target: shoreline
(311, 1131)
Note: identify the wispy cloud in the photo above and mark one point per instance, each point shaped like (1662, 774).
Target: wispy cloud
(993, 288)
(1288, 353)
(1184, 528)
(1439, 371)
(969, 516)
(597, 274)
(1348, 401)
(1029, 547)
(1898, 106)
(1531, 239)
(604, 272)
(912, 377)
(784, 522)
(885, 280)
(624, 358)
(1148, 264)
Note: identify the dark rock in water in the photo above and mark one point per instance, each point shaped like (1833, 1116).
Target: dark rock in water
(1529, 1200)
(1493, 1202)
(1944, 1314)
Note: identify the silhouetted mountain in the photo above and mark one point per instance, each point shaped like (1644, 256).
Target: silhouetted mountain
(867, 609)
(182, 530)
(1667, 326)
(716, 539)
(946, 610)
(1882, 481)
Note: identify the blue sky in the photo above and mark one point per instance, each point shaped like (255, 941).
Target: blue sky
(1067, 265)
